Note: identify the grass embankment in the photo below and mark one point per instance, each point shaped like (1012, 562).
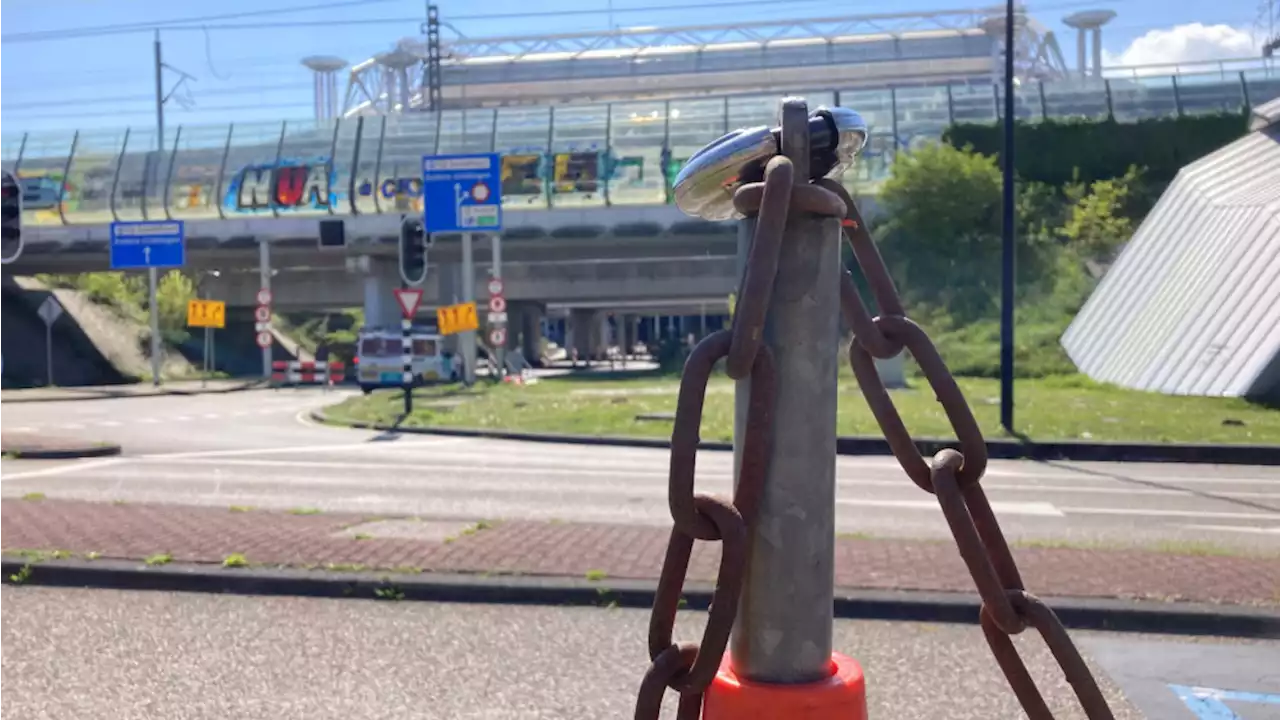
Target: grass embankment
(1053, 408)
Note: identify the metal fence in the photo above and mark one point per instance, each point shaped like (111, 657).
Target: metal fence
(622, 153)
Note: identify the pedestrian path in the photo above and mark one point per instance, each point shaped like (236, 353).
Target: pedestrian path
(306, 537)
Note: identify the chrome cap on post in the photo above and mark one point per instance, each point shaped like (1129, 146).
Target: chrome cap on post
(705, 186)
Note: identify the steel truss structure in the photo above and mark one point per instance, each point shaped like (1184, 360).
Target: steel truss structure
(377, 86)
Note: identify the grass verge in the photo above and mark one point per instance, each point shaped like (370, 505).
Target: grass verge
(1064, 407)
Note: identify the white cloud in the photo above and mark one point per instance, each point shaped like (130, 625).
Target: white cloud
(1187, 43)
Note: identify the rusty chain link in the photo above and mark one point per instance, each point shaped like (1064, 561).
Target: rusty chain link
(952, 476)
(688, 668)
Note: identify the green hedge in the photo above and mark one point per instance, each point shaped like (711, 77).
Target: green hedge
(1054, 151)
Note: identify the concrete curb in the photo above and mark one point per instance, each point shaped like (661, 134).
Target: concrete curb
(1065, 450)
(61, 452)
(916, 606)
(146, 393)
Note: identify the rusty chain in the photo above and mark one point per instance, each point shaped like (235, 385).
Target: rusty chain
(688, 668)
(952, 476)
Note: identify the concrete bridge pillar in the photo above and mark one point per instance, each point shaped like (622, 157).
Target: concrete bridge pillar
(629, 329)
(584, 331)
(524, 329)
(379, 284)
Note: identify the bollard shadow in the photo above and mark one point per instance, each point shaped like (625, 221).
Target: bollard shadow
(1157, 485)
(392, 432)
(1151, 484)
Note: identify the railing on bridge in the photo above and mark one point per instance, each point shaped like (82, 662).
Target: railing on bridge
(624, 153)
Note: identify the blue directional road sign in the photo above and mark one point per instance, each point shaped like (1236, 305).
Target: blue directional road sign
(158, 243)
(462, 193)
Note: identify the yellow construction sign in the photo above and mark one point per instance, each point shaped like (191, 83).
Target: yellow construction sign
(457, 318)
(207, 313)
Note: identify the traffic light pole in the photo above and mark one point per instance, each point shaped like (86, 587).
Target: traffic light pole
(406, 350)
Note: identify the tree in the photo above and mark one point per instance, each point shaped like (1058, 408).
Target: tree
(942, 239)
(1098, 223)
(173, 292)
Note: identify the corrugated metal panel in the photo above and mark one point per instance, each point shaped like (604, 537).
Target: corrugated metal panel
(1192, 305)
(1243, 173)
(1263, 344)
(1223, 333)
(1268, 113)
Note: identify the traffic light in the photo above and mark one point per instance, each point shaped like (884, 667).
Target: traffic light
(333, 234)
(11, 214)
(413, 252)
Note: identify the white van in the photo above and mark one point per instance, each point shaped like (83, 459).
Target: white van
(380, 359)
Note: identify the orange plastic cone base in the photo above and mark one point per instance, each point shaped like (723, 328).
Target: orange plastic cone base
(843, 696)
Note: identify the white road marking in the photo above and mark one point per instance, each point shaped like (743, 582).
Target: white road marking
(278, 450)
(63, 469)
(148, 421)
(182, 418)
(109, 423)
(304, 418)
(1237, 528)
(23, 429)
(1163, 479)
(368, 468)
(211, 416)
(72, 426)
(1170, 513)
(1039, 509)
(476, 464)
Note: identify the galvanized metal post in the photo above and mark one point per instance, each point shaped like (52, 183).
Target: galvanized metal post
(155, 325)
(468, 339)
(783, 633)
(495, 251)
(264, 282)
(48, 353)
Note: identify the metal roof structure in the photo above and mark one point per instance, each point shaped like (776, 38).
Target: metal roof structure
(1192, 304)
(587, 66)
(1265, 114)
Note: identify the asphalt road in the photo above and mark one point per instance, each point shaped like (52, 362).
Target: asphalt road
(86, 654)
(257, 448)
(90, 654)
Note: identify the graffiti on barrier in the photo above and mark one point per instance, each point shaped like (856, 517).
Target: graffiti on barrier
(312, 184)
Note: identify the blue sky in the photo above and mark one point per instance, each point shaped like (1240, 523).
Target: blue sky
(251, 73)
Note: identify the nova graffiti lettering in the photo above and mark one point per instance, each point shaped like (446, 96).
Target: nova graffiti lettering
(293, 185)
(311, 184)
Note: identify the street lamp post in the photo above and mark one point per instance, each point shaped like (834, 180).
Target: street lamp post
(1008, 255)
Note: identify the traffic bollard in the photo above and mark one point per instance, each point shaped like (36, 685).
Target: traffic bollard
(780, 662)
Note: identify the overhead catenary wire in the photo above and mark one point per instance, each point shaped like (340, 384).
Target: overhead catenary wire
(148, 112)
(204, 24)
(150, 25)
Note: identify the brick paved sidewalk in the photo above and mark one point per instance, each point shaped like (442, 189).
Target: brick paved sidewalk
(346, 541)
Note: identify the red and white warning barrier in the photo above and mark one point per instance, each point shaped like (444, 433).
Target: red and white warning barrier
(306, 372)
